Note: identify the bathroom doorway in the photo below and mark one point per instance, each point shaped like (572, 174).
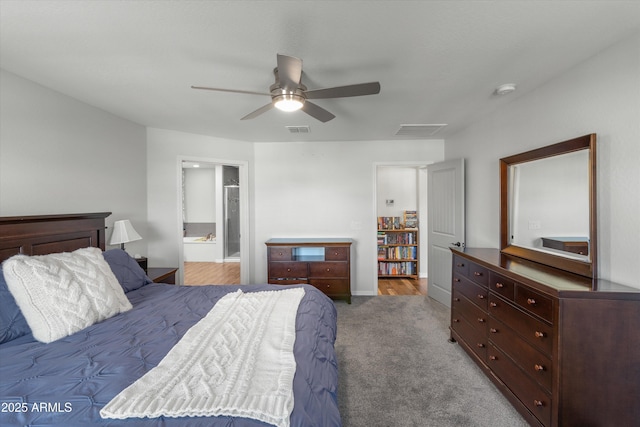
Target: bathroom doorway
(212, 220)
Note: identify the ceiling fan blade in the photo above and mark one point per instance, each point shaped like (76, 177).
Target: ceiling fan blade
(317, 112)
(344, 91)
(259, 111)
(248, 92)
(289, 72)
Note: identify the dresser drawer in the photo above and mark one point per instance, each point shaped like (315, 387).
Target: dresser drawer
(331, 286)
(532, 330)
(336, 254)
(502, 285)
(460, 266)
(478, 274)
(328, 269)
(473, 292)
(477, 317)
(475, 340)
(287, 270)
(471, 270)
(280, 253)
(526, 390)
(535, 302)
(534, 363)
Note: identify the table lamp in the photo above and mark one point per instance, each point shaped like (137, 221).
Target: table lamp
(123, 232)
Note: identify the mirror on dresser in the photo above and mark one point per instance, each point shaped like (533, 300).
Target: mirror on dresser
(548, 205)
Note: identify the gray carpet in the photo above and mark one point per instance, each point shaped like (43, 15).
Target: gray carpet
(397, 369)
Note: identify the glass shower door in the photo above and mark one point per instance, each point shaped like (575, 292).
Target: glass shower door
(232, 221)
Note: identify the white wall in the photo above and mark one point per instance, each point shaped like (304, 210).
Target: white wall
(600, 96)
(200, 194)
(59, 155)
(399, 184)
(327, 190)
(166, 148)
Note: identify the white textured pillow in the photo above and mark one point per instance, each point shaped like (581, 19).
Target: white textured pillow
(60, 294)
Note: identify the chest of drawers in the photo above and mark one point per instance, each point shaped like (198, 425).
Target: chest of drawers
(321, 262)
(563, 351)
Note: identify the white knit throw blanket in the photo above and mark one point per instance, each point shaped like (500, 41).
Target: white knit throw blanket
(237, 361)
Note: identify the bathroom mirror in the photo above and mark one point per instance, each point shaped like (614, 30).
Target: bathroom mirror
(548, 205)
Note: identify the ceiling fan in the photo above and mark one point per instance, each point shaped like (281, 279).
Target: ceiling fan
(289, 94)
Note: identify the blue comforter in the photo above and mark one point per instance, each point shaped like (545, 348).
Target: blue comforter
(67, 382)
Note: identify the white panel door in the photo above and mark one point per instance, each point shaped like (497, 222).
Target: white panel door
(445, 223)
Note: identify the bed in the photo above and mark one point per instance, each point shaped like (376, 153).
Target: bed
(69, 380)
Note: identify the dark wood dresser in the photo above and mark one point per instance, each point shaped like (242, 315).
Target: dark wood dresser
(321, 262)
(564, 350)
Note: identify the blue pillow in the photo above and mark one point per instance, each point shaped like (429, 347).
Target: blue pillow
(126, 269)
(12, 323)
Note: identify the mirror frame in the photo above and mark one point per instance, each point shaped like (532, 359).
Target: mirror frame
(584, 268)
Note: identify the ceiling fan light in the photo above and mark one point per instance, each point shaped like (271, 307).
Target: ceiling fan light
(288, 102)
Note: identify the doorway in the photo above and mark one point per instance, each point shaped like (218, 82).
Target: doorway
(401, 264)
(213, 215)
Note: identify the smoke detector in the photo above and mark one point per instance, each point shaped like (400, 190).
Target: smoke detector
(505, 89)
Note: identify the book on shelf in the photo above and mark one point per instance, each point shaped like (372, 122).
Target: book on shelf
(411, 219)
(397, 269)
(406, 238)
(397, 252)
(389, 223)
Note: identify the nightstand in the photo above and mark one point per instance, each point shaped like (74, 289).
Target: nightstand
(162, 275)
(142, 261)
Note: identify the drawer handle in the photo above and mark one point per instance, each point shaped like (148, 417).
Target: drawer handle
(279, 253)
(480, 319)
(493, 358)
(499, 285)
(538, 368)
(480, 345)
(538, 402)
(480, 296)
(456, 320)
(456, 299)
(455, 279)
(493, 330)
(539, 334)
(328, 269)
(335, 253)
(493, 304)
(531, 301)
(288, 269)
(459, 264)
(477, 273)
(328, 286)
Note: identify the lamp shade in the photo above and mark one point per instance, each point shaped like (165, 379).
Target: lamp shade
(123, 232)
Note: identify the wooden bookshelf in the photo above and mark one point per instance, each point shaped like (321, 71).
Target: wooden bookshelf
(398, 253)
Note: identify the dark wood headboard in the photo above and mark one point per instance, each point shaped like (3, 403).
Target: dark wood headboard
(45, 234)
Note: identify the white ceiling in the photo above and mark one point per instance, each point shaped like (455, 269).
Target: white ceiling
(438, 62)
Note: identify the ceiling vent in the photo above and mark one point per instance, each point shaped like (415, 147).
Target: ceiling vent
(418, 131)
(298, 129)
